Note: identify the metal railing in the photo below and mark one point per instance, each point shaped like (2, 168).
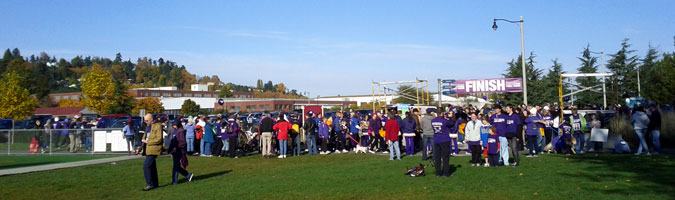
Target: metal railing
(66, 141)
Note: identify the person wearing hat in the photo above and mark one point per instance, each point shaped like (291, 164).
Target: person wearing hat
(310, 129)
(498, 120)
(177, 149)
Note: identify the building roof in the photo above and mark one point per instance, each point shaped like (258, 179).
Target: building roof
(175, 103)
(59, 110)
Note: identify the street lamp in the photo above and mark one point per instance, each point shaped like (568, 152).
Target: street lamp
(522, 51)
(604, 94)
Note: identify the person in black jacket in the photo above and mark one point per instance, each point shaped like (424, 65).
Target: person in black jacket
(654, 127)
(266, 130)
(310, 130)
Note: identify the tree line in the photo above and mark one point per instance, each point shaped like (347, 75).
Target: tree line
(656, 76)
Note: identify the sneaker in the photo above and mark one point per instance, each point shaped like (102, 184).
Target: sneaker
(338, 152)
(345, 151)
(306, 150)
(391, 159)
(284, 156)
(637, 154)
(486, 165)
(582, 151)
(649, 154)
(148, 188)
(280, 156)
(209, 156)
(385, 152)
(529, 156)
(467, 153)
(189, 177)
(398, 158)
(371, 151)
(536, 156)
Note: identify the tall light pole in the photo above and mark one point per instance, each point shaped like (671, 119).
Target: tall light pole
(604, 93)
(522, 52)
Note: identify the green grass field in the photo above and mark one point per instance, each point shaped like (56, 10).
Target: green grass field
(360, 177)
(7, 162)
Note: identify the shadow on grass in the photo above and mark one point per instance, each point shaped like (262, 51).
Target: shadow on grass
(651, 174)
(207, 176)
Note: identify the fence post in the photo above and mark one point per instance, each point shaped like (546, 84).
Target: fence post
(91, 145)
(8, 144)
(50, 141)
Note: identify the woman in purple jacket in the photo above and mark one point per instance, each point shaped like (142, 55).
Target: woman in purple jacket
(408, 130)
(177, 149)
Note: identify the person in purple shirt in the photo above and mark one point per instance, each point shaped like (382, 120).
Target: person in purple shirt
(498, 120)
(408, 130)
(442, 128)
(533, 131)
(512, 123)
(376, 126)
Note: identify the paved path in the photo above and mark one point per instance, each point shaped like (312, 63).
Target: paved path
(38, 168)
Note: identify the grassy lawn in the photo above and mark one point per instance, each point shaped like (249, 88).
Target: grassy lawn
(7, 162)
(360, 177)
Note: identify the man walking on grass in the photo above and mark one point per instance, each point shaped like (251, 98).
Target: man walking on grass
(153, 141)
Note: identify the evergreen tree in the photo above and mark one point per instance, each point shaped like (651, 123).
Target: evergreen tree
(533, 87)
(551, 83)
(624, 81)
(588, 65)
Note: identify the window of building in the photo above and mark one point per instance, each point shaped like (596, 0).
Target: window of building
(74, 97)
(187, 95)
(207, 95)
(198, 95)
(57, 98)
(176, 94)
(166, 94)
(66, 97)
(155, 94)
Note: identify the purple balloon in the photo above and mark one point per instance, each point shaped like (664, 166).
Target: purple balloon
(221, 101)
(499, 101)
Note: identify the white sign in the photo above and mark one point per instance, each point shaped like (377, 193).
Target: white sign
(599, 135)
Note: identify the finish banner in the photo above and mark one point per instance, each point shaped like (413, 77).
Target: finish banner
(495, 85)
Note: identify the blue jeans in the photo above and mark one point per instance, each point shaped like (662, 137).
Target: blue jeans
(207, 148)
(655, 140)
(504, 150)
(177, 169)
(226, 144)
(283, 146)
(311, 144)
(579, 146)
(643, 143)
(428, 144)
(190, 144)
(150, 171)
(541, 143)
(296, 150)
(460, 137)
(201, 146)
(392, 147)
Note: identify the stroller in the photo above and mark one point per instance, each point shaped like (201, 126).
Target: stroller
(249, 141)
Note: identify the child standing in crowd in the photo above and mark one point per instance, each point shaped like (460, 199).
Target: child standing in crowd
(579, 126)
(484, 133)
(324, 134)
(282, 127)
(493, 147)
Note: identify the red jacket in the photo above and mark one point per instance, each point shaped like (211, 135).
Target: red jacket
(391, 130)
(282, 128)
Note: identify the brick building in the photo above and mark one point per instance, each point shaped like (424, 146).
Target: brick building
(259, 105)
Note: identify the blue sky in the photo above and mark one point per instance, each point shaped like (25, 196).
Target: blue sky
(335, 47)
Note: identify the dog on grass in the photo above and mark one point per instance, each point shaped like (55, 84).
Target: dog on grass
(360, 148)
